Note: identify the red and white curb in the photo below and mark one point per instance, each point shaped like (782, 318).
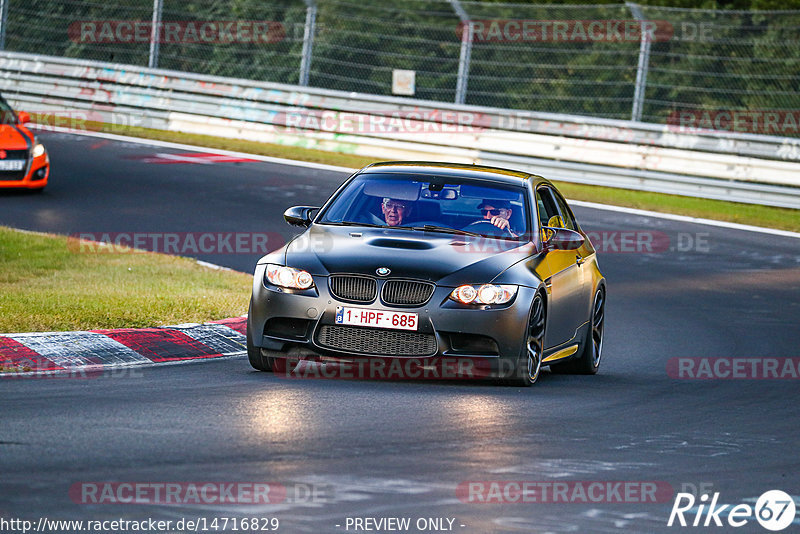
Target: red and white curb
(97, 350)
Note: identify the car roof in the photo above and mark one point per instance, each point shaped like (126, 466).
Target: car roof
(462, 170)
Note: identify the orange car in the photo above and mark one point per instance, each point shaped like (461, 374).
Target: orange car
(23, 159)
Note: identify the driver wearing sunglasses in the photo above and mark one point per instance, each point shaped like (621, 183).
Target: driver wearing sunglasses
(497, 212)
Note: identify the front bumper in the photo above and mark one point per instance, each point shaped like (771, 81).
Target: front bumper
(452, 340)
(33, 176)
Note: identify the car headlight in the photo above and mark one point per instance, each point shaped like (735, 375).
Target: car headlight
(283, 276)
(38, 150)
(485, 294)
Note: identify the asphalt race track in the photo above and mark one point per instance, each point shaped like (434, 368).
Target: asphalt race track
(380, 449)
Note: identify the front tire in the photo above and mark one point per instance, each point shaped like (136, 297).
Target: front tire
(257, 361)
(529, 365)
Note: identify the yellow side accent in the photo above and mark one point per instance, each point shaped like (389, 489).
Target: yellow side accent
(563, 353)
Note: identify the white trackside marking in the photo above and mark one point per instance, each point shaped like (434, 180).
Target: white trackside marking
(181, 146)
(79, 349)
(218, 337)
(685, 218)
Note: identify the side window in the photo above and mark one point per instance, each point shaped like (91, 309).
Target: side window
(566, 213)
(548, 207)
(541, 209)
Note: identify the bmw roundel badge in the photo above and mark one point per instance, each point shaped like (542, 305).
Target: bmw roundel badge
(383, 271)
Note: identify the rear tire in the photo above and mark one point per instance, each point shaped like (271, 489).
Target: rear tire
(588, 362)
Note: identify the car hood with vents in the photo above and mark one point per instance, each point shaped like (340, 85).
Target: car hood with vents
(446, 259)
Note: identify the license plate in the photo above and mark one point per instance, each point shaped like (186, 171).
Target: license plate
(12, 164)
(376, 318)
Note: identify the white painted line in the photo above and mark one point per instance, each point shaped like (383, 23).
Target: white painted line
(218, 337)
(180, 146)
(334, 168)
(181, 159)
(213, 266)
(79, 349)
(685, 218)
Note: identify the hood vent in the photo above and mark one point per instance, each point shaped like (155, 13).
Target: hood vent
(409, 244)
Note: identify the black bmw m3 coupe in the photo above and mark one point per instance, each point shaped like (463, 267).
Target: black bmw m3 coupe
(415, 270)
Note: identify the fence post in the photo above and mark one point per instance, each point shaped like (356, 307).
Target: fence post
(466, 52)
(155, 34)
(308, 41)
(641, 69)
(3, 21)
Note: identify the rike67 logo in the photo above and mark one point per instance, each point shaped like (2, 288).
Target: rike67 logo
(774, 510)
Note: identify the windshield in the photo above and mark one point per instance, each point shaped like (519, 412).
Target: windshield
(431, 203)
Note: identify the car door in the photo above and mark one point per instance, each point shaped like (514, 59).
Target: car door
(563, 274)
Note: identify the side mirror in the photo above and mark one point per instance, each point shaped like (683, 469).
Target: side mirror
(299, 215)
(561, 238)
(24, 117)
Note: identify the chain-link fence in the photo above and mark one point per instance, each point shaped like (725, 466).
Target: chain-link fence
(618, 61)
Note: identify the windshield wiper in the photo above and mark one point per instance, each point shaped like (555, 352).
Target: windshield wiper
(350, 223)
(425, 228)
(444, 230)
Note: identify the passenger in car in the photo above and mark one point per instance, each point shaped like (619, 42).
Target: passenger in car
(394, 211)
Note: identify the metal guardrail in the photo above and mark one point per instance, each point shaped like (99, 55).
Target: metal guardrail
(729, 166)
